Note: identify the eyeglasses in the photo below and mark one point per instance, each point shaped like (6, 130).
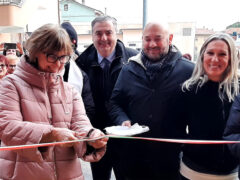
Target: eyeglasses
(63, 59)
(2, 66)
(11, 50)
(12, 66)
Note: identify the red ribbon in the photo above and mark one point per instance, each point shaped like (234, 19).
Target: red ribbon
(183, 141)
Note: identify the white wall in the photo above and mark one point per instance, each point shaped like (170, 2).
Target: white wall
(184, 43)
(47, 12)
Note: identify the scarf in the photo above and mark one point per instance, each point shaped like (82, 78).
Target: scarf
(154, 67)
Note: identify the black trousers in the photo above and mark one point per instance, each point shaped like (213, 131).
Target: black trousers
(102, 169)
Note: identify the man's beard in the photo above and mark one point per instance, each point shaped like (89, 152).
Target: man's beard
(155, 57)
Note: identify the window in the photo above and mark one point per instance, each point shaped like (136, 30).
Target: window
(65, 7)
(187, 31)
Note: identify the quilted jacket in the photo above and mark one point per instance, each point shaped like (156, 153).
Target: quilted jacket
(31, 104)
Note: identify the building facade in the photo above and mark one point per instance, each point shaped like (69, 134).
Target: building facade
(20, 16)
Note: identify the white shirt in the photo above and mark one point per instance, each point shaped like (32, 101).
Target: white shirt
(110, 58)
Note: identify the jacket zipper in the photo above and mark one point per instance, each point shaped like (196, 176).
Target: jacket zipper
(54, 167)
(50, 121)
(48, 108)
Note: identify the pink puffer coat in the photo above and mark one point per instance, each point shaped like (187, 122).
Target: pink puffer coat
(31, 104)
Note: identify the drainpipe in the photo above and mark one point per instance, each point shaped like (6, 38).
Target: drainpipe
(144, 13)
(58, 4)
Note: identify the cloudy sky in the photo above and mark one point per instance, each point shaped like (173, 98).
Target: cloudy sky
(215, 14)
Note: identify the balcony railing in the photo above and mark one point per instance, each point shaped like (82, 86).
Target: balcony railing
(11, 2)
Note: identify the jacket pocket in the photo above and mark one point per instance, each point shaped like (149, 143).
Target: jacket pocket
(7, 168)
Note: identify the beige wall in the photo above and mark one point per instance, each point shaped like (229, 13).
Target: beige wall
(17, 16)
(184, 43)
(11, 37)
(132, 36)
(33, 13)
(8, 16)
(82, 28)
(199, 40)
(6, 37)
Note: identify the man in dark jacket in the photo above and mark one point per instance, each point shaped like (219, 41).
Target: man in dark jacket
(102, 61)
(148, 92)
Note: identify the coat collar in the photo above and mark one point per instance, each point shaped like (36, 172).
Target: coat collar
(167, 68)
(175, 55)
(43, 80)
(92, 58)
(35, 77)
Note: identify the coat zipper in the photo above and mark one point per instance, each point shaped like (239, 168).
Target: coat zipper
(54, 166)
(50, 120)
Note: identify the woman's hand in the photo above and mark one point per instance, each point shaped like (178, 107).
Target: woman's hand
(97, 144)
(1, 46)
(19, 48)
(63, 134)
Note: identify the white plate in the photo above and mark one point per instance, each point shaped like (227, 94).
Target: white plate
(126, 131)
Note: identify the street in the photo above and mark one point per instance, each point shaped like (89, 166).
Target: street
(87, 171)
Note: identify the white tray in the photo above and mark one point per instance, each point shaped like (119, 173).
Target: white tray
(126, 131)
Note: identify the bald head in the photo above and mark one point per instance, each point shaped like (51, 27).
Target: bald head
(156, 40)
(155, 25)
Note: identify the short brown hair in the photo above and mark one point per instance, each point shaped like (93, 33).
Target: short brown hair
(104, 18)
(49, 38)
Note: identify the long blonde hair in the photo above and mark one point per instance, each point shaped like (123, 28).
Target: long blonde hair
(229, 85)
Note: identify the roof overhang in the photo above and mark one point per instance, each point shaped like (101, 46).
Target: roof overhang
(11, 29)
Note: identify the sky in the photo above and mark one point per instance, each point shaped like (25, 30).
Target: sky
(213, 14)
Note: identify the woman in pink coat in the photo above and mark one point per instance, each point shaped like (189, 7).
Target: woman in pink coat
(36, 106)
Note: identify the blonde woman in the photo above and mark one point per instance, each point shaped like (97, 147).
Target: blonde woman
(209, 95)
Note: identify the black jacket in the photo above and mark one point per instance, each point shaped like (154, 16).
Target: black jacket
(232, 130)
(88, 62)
(156, 104)
(207, 118)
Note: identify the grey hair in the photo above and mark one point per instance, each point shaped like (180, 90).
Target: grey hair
(104, 18)
(229, 85)
(49, 38)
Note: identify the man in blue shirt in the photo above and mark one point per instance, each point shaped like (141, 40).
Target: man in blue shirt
(102, 61)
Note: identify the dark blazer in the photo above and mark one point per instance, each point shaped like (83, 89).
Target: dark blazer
(88, 62)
